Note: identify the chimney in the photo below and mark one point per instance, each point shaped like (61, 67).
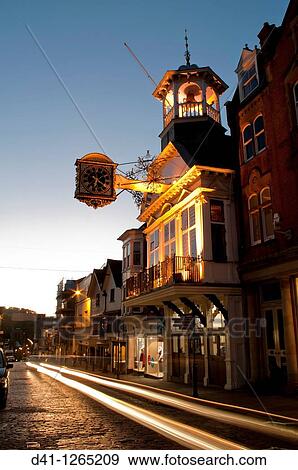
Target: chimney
(265, 32)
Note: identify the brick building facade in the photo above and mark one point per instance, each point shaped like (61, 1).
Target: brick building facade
(264, 124)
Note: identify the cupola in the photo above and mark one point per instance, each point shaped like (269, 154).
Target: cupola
(190, 100)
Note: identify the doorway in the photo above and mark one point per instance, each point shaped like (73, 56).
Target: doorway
(275, 346)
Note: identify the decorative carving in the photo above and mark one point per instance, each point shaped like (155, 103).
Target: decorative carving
(254, 181)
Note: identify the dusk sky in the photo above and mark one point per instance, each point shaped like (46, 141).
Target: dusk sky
(46, 234)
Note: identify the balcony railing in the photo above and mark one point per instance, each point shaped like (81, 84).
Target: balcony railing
(196, 109)
(168, 116)
(175, 270)
(212, 112)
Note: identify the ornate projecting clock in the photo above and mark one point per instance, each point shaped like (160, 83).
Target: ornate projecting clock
(95, 180)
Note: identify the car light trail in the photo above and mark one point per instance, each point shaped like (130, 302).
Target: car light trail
(244, 421)
(183, 434)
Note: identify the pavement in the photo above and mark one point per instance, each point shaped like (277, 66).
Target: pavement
(286, 405)
(42, 413)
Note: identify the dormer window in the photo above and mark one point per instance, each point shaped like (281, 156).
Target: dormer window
(248, 79)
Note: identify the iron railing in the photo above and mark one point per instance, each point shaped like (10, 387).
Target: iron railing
(174, 270)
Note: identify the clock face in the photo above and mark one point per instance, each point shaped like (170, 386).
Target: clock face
(97, 180)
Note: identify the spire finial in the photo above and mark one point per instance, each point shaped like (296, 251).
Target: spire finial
(187, 53)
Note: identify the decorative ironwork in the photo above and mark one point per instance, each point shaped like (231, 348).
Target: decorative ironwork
(174, 270)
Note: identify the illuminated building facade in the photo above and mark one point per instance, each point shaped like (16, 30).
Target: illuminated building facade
(107, 348)
(82, 319)
(190, 280)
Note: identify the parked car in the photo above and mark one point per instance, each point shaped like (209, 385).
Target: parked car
(4, 372)
(9, 353)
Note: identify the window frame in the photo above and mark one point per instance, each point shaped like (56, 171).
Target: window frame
(136, 253)
(263, 206)
(258, 134)
(171, 241)
(112, 295)
(259, 210)
(253, 142)
(216, 222)
(251, 213)
(248, 142)
(153, 247)
(188, 230)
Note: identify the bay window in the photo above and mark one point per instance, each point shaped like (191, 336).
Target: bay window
(218, 230)
(188, 225)
(169, 239)
(154, 248)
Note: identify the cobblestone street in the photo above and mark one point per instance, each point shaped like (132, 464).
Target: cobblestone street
(41, 410)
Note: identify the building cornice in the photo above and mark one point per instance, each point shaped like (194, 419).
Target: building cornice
(183, 183)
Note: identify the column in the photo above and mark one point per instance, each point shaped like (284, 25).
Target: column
(167, 345)
(236, 373)
(206, 356)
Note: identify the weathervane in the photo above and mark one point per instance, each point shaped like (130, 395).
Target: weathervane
(187, 53)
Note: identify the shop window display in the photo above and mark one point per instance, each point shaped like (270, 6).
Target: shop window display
(139, 355)
(154, 362)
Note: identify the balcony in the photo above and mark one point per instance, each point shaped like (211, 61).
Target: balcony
(175, 270)
(196, 109)
(193, 109)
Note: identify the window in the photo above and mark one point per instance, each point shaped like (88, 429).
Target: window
(154, 248)
(218, 230)
(260, 141)
(248, 142)
(267, 216)
(170, 238)
(249, 81)
(295, 90)
(254, 220)
(253, 136)
(97, 300)
(189, 243)
(136, 253)
(126, 256)
(260, 217)
(112, 295)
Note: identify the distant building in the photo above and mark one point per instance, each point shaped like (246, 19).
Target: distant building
(20, 325)
(106, 345)
(65, 312)
(82, 319)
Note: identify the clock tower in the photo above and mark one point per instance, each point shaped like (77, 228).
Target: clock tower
(191, 114)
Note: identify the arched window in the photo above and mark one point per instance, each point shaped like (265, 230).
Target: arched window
(260, 141)
(254, 220)
(295, 90)
(267, 216)
(247, 134)
(190, 100)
